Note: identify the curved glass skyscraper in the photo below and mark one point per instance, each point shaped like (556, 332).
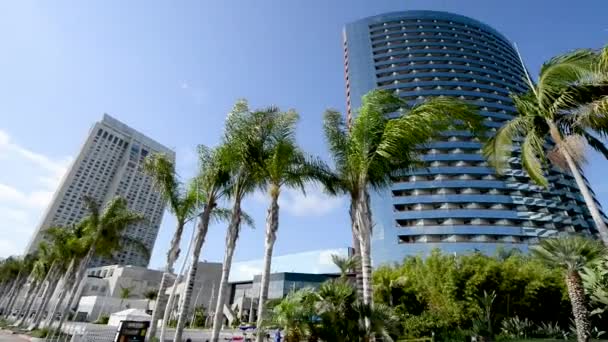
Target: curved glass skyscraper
(457, 202)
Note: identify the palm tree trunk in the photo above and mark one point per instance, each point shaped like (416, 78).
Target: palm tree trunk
(8, 292)
(160, 304)
(201, 234)
(172, 256)
(169, 308)
(364, 233)
(589, 201)
(579, 307)
(13, 294)
(31, 295)
(64, 291)
(232, 234)
(272, 226)
(40, 291)
(356, 248)
(30, 283)
(46, 296)
(80, 273)
(6, 289)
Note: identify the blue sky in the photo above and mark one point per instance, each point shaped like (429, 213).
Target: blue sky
(173, 69)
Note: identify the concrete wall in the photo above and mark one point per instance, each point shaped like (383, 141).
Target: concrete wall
(92, 306)
(205, 286)
(109, 280)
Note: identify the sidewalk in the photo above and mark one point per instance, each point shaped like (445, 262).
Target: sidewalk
(6, 336)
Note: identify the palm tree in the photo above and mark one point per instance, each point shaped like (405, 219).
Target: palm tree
(294, 315)
(595, 280)
(103, 236)
(246, 136)
(281, 164)
(9, 271)
(150, 295)
(386, 280)
(125, 293)
(366, 154)
(198, 317)
(572, 254)
(331, 313)
(69, 247)
(551, 111)
(341, 312)
(183, 205)
(42, 269)
(345, 264)
(210, 184)
(25, 267)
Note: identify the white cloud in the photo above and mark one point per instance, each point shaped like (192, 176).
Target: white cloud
(53, 169)
(313, 203)
(4, 138)
(35, 199)
(14, 215)
(25, 191)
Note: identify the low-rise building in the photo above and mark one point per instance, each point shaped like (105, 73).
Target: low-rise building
(244, 295)
(113, 288)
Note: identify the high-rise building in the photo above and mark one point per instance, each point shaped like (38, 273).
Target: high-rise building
(109, 164)
(456, 202)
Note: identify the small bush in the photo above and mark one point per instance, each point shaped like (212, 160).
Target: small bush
(514, 327)
(103, 319)
(549, 330)
(40, 333)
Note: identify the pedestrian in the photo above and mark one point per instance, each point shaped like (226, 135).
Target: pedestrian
(277, 335)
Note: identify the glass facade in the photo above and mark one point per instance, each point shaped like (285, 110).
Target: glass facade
(456, 202)
(313, 262)
(280, 284)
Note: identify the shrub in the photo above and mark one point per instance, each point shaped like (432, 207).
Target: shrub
(515, 327)
(442, 292)
(40, 333)
(549, 330)
(103, 319)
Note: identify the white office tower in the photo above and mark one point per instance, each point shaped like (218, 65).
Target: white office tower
(109, 165)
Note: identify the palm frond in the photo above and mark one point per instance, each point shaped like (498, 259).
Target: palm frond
(426, 121)
(336, 136)
(533, 158)
(93, 207)
(572, 253)
(592, 116)
(594, 142)
(213, 173)
(499, 148)
(602, 61)
(191, 202)
(562, 71)
(345, 264)
(162, 170)
(224, 215)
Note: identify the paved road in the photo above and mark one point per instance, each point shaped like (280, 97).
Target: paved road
(7, 337)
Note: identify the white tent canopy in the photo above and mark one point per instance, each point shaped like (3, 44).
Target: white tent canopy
(128, 315)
